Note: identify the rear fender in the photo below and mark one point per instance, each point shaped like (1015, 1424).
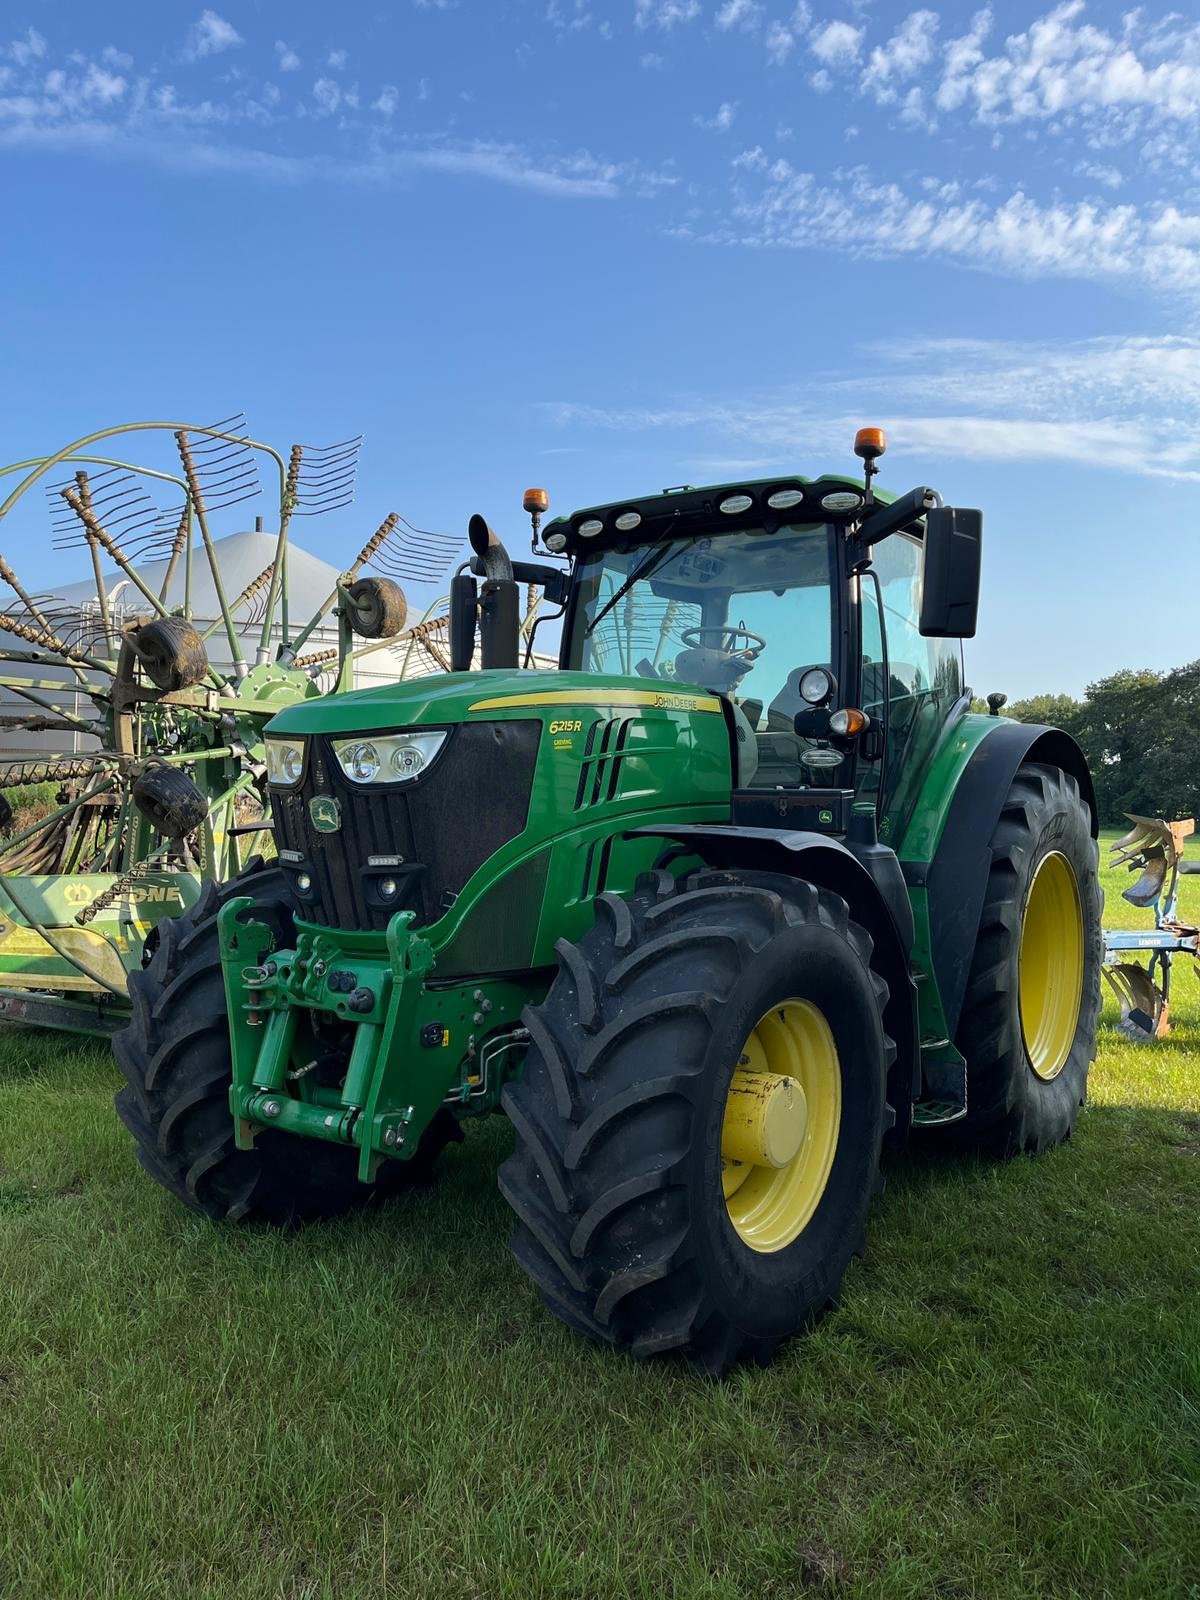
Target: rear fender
(830, 865)
(952, 880)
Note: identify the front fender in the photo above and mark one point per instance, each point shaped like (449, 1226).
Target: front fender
(878, 902)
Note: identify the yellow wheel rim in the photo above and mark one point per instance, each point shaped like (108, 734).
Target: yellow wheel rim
(780, 1128)
(1051, 965)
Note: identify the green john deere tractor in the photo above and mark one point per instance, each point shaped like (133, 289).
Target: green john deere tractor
(736, 898)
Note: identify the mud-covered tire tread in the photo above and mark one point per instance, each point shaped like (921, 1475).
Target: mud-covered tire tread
(171, 653)
(601, 1135)
(378, 609)
(1009, 1110)
(175, 1059)
(169, 801)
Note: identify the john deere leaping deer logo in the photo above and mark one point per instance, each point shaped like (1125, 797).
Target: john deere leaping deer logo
(325, 812)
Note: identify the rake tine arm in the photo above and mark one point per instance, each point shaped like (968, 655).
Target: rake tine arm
(85, 495)
(254, 588)
(67, 717)
(47, 640)
(183, 532)
(197, 498)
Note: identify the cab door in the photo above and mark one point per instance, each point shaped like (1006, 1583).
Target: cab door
(908, 685)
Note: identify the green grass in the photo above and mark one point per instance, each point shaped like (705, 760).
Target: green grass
(1004, 1405)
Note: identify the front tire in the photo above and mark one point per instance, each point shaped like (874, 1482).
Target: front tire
(178, 1068)
(1028, 1026)
(683, 1002)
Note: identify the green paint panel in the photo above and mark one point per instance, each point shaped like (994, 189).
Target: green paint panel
(614, 755)
(957, 745)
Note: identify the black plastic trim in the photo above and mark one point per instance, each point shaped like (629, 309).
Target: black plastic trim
(956, 878)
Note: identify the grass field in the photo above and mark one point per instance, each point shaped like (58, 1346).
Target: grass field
(1004, 1405)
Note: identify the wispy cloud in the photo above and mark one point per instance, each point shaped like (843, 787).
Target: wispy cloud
(578, 176)
(746, 14)
(783, 207)
(209, 36)
(105, 107)
(664, 14)
(784, 33)
(722, 118)
(569, 17)
(836, 44)
(30, 47)
(1061, 64)
(1103, 403)
(907, 53)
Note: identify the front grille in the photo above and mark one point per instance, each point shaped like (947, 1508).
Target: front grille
(445, 825)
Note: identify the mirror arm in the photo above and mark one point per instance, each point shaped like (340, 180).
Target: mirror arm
(885, 520)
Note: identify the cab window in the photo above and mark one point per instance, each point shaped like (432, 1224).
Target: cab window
(915, 682)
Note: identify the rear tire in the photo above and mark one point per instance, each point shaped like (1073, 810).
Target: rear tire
(620, 1115)
(178, 1068)
(1028, 1044)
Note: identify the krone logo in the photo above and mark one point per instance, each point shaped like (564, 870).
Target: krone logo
(325, 812)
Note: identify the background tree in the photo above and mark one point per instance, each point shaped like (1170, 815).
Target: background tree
(1140, 731)
(1168, 737)
(1057, 710)
(1115, 730)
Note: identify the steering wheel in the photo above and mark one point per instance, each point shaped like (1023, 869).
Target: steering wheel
(753, 648)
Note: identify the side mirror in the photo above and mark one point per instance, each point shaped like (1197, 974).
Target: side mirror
(950, 573)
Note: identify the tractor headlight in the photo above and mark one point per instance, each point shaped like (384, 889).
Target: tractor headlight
(285, 762)
(388, 758)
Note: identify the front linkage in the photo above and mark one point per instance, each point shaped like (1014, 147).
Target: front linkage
(414, 1050)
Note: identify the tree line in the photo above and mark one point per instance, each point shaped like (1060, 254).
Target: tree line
(1140, 731)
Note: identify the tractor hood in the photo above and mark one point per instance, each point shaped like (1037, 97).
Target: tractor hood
(453, 697)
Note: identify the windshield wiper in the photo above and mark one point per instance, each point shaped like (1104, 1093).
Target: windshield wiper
(651, 564)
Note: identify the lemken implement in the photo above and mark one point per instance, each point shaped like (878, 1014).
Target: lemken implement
(739, 896)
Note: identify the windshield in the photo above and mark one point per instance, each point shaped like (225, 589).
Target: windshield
(742, 614)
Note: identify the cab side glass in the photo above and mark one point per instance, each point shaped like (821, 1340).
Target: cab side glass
(921, 682)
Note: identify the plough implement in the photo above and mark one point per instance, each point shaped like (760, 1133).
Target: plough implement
(1154, 849)
(164, 786)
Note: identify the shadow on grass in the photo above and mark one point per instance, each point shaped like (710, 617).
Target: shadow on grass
(36, 1052)
(1119, 1141)
(463, 1200)
(1182, 1041)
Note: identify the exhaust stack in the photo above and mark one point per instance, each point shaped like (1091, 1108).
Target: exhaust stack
(499, 599)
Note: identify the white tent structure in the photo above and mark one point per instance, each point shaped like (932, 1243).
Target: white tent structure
(241, 557)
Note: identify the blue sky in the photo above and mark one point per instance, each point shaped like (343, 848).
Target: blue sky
(609, 247)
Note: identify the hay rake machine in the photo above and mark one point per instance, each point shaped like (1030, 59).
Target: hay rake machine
(162, 684)
(1154, 849)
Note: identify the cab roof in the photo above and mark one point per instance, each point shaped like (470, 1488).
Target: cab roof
(797, 500)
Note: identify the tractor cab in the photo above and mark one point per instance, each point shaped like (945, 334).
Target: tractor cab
(821, 614)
